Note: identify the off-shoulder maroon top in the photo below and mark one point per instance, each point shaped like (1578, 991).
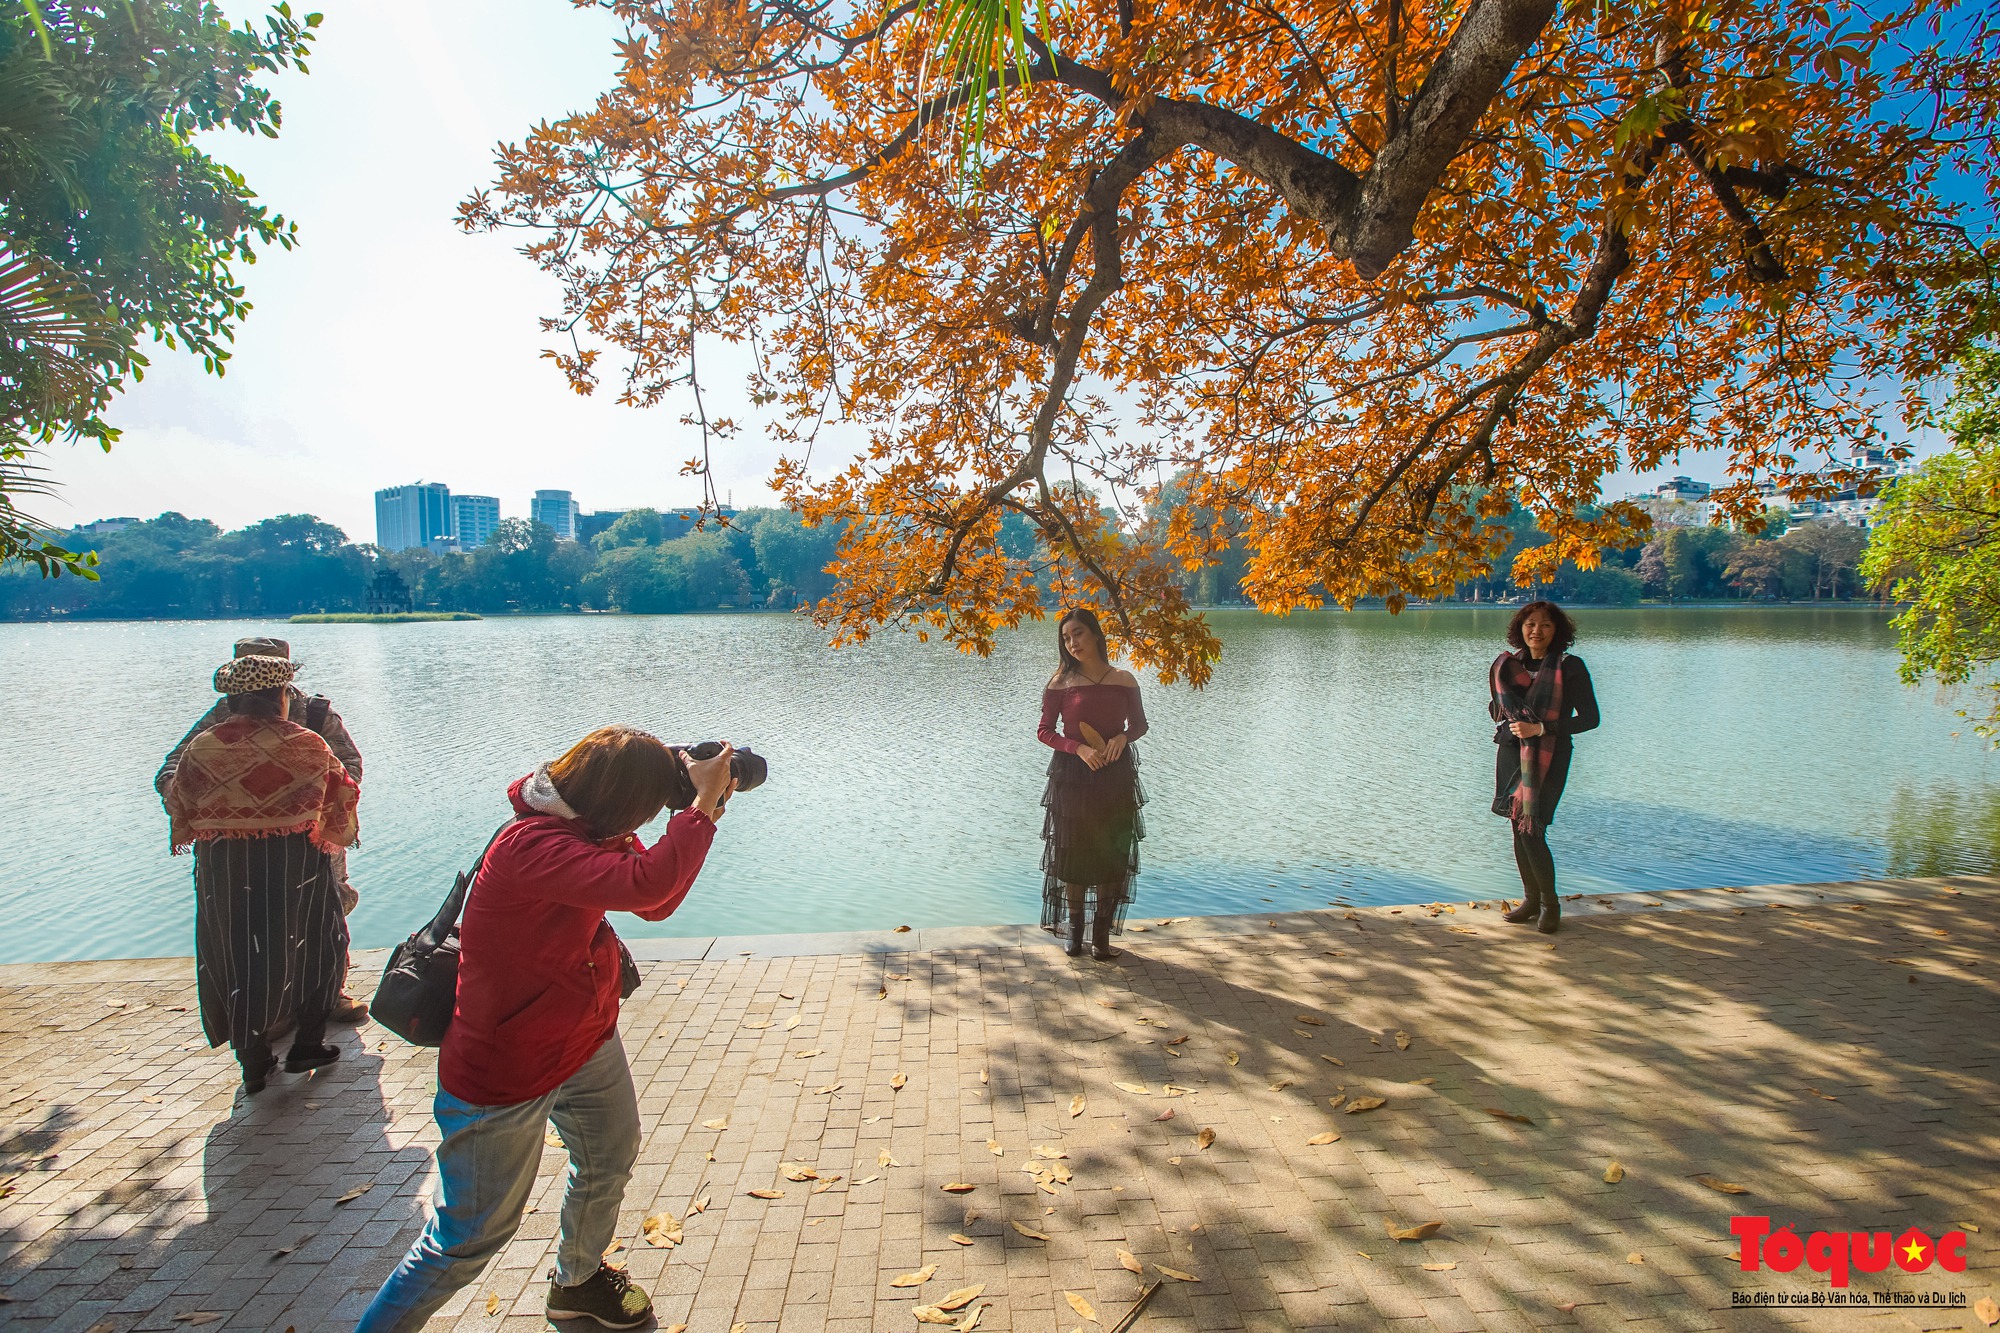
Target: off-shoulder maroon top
(1109, 709)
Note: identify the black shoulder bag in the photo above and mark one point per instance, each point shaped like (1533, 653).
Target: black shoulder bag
(419, 987)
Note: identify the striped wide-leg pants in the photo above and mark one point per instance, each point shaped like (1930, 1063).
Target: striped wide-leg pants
(270, 946)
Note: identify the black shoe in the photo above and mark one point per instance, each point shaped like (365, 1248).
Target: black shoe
(607, 1296)
(1075, 946)
(302, 1058)
(1529, 910)
(1551, 917)
(1104, 953)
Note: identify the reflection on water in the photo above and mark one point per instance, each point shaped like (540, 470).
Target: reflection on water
(1333, 756)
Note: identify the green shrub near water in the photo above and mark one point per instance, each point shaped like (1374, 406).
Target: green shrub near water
(389, 618)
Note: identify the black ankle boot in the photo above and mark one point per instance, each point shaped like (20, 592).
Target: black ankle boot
(1075, 947)
(1100, 934)
(1551, 916)
(1530, 908)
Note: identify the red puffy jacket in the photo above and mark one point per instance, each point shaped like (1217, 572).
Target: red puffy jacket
(538, 968)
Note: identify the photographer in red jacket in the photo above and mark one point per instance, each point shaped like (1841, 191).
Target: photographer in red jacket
(534, 1037)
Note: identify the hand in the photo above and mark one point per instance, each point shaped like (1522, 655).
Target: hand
(1114, 747)
(1090, 756)
(1524, 730)
(712, 780)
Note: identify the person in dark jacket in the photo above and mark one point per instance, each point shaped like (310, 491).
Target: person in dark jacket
(315, 713)
(534, 1037)
(1540, 696)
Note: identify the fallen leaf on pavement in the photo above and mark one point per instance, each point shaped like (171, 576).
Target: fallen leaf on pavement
(884, 1158)
(662, 1230)
(971, 1320)
(1319, 1140)
(721, 1122)
(1178, 1040)
(1203, 1139)
(1130, 1262)
(1614, 1173)
(197, 1317)
(1360, 1104)
(825, 1184)
(354, 1194)
(1049, 1152)
(1439, 1268)
(1988, 1312)
(765, 1194)
(870, 1180)
(1076, 1105)
(1142, 1089)
(792, 1022)
(1167, 1114)
(900, 930)
(1174, 1273)
(1334, 1060)
(828, 1090)
(1310, 1021)
(993, 1146)
(1081, 1306)
(899, 1082)
(916, 1279)
(279, 1254)
(959, 1187)
(958, 1238)
(1232, 1057)
(492, 1303)
(807, 1055)
(1028, 1231)
(1721, 1186)
(1402, 1041)
(797, 1171)
(1281, 1085)
(759, 1025)
(701, 1204)
(1421, 1231)
(1514, 1116)
(931, 1314)
(1635, 1258)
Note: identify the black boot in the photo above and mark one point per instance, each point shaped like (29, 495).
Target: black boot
(1530, 908)
(1551, 917)
(1075, 946)
(1100, 936)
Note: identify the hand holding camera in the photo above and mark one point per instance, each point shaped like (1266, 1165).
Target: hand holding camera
(713, 781)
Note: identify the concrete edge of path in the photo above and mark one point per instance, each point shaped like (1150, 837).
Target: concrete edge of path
(719, 948)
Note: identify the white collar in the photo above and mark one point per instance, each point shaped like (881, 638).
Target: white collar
(541, 795)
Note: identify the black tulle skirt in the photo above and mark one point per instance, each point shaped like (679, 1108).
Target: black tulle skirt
(1091, 827)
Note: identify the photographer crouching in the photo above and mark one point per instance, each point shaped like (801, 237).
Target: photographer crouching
(534, 1037)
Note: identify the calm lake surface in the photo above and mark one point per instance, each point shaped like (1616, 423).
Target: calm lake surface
(1333, 755)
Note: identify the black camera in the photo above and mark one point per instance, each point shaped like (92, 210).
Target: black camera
(745, 765)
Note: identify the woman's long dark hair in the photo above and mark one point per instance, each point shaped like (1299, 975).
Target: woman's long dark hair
(1086, 617)
(1565, 627)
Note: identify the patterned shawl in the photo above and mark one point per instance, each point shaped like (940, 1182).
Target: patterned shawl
(1521, 695)
(260, 777)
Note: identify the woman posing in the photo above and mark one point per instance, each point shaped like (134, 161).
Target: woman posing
(1541, 698)
(535, 1035)
(265, 806)
(1091, 831)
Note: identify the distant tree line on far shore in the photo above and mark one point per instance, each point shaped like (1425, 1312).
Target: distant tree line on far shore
(173, 566)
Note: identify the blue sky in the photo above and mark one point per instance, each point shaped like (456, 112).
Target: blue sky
(390, 347)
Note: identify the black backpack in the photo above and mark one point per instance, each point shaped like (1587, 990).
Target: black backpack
(419, 987)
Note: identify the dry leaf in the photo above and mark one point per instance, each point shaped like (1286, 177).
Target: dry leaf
(1614, 1173)
(1334, 1060)
(882, 992)
(971, 1320)
(1721, 1186)
(1281, 1085)
(1421, 1231)
(1402, 1041)
(1049, 1152)
(1167, 1114)
(916, 1279)
(195, 1318)
(1172, 1090)
(662, 1230)
(826, 1184)
(1028, 1231)
(870, 1180)
(1076, 1105)
(354, 1194)
(1439, 1268)
(701, 1204)
(806, 1055)
(900, 930)
(492, 1303)
(275, 1254)
(759, 1025)
(1141, 1089)
(722, 1123)
(1310, 1021)
(1635, 1258)
(1081, 1306)
(982, 1076)
(1109, 1004)
(1174, 1273)
(931, 1314)
(1514, 1116)
(1232, 1057)
(797, 1171)
(958, 1238)
(1988, 1312)
(1360, 1104)
(884, 1158)
(828, 1090)
(961, 1298)
(792, 1022)
(1203, 1139)
(959, 1187)
(1176, 1041)
(1335, 1102)
(1319, 1140)
(765, 1194)
(1973, 1227)
(1130, 1262)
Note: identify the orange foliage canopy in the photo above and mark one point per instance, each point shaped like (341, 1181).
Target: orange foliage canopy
(1359, 274)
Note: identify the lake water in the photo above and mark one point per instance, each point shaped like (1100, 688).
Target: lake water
(1333, 755)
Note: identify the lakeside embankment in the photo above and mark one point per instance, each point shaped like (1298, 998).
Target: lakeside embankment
(1830, 1051)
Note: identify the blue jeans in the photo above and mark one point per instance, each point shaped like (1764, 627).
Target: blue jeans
(486, 1159)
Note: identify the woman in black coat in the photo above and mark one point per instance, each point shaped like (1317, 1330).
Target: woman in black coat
(1541, 696)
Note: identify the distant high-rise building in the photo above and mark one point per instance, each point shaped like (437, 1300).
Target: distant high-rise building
(592, 525)
(558, 510)
(407, 516)
(473, 518)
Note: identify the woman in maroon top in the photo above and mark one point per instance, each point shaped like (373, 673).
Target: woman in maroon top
(1091, 831)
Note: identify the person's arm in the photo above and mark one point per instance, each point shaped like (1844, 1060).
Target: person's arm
(334, 733)
(1135, 717)
(1578, 695)
(564, 867)
(217, 711)
(1047, 733)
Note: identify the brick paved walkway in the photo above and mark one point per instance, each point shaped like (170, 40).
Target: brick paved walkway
(1834, 1057)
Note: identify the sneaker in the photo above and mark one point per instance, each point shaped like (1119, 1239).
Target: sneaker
(347, 1009)
(607, 1296)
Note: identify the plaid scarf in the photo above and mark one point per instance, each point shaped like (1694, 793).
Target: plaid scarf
(260, 777)
(1522, 695)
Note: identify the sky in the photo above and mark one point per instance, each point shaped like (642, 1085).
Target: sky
(390, 347)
